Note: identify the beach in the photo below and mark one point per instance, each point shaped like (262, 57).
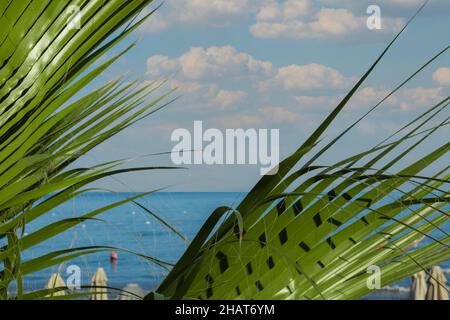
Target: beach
(129, 227)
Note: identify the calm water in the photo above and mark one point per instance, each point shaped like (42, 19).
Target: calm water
(132, 228)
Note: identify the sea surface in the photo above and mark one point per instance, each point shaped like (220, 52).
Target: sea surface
(132, 228)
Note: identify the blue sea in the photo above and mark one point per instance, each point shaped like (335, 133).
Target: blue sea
(132, 228)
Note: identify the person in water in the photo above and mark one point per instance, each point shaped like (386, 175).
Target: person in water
(114, 257)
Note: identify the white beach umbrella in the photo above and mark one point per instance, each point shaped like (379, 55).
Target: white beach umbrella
(56, 281)
(419, 286)
(99, 280)
(437, 289)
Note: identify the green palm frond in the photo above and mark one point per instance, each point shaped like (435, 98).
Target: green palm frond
(312, 231)
(45, 126)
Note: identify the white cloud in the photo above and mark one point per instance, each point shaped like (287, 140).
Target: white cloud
(201, 10)
(290, 9)
(205, 73)
(364, 98)
(194, 87)
(226, 98)
(306, 77)
(335, 22)
(160, 65)
(220, 62)
(198, 92)
(194, 93)
(323, 22)
(287, 18)
(442, 76)
(279, 115)
(419, 97)
(201, 72)
(405, 99)
(213, 62)
(211, 13)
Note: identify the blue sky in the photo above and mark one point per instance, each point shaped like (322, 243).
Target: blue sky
(275, 64)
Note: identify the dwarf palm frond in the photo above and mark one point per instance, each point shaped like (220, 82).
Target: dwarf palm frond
(47, 55)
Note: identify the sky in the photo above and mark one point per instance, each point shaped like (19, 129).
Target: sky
(274, 64)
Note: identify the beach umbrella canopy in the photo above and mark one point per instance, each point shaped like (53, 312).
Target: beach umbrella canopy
(437, 289)
(419, 286)
(56, 281)
(99, 280)
(135, 290)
